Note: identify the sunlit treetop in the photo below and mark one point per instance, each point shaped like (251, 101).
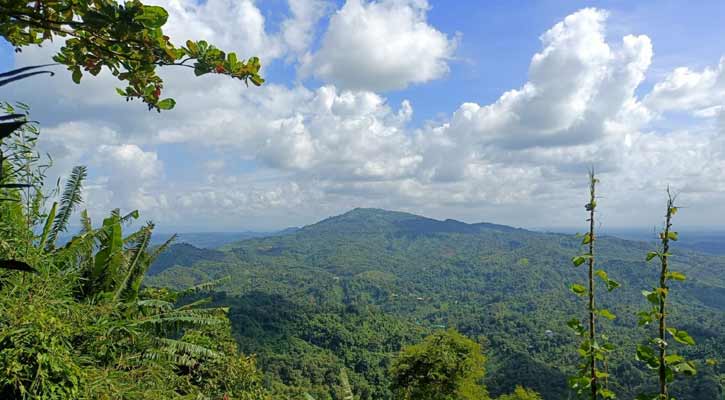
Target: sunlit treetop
(126, 38)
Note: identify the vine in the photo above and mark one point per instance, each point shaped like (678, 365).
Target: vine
(590, 379)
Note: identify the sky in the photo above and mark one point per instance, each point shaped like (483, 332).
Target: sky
(478, 111)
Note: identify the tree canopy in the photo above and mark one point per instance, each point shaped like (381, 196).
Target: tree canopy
(127, 39)
(445, 366)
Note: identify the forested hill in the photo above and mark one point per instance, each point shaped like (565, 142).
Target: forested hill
(351, 289)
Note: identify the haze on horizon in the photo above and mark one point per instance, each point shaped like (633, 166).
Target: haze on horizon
(476, 113)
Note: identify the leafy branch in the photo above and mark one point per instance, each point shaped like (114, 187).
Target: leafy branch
(127, 39)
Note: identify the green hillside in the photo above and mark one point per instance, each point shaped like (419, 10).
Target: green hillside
(352, 289)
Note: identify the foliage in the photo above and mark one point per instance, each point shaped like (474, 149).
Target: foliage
(593, 350)
(521, 393)
(445, 366)
(352, 290)
(83, 327)
(127, 39)
(654, 354)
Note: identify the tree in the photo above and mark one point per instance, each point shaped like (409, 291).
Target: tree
(521, 393)
(127, 39)
(445, 366)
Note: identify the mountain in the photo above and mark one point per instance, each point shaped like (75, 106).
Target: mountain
(352, 289)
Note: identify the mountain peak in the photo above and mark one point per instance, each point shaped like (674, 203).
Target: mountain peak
(376, 220)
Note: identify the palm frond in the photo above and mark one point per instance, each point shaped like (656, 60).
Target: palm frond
(70, 199)
(161, 249)
(191, 349)
(134, 268)
(206, 286)
(195, 304)
(86, 224)
(48, 225)
(185, 318)
(155, 304)
(345, 384)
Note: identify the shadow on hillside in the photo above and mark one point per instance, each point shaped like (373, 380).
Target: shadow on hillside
(527, 372)
(259, 319)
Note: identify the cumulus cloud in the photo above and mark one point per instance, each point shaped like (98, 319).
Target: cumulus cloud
(285, 154)
(578, 88)
(686, 90)
(298, 32)
(382, 45)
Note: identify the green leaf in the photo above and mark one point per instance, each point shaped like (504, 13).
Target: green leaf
(578, 289)
(681, 336)
(576, 326)
(645, 318)
(647, 355)
(579, 260)
(602, 274)
(652, 297)
(674, 358)
(612, 284)
(606, 314)
(48, 226)
(672, 235)
(606, 393)
(651, 255)
(587, 239)
(166, 104)
(678, 276)
(685, 368)
(77, 75)
(152, 17)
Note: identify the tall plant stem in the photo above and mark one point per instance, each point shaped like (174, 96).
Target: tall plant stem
(663, 293)
(592, 332)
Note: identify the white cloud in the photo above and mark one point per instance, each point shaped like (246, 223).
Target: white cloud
(687, 90)
(286, 154)
(229, 24)
(578, 88)
(380, 45)
(298, 31)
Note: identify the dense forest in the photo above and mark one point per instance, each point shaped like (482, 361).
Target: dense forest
(351, 290)
(367, 305)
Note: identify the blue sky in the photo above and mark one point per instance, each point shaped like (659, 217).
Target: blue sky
(481, 111)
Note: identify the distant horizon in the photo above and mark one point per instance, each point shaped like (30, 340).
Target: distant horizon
(553, 229)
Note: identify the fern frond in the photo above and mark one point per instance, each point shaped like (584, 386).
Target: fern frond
(70, 199)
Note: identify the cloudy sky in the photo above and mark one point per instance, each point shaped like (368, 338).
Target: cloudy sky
(479, 111)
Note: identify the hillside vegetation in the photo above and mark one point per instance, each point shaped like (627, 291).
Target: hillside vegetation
(352, 289)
